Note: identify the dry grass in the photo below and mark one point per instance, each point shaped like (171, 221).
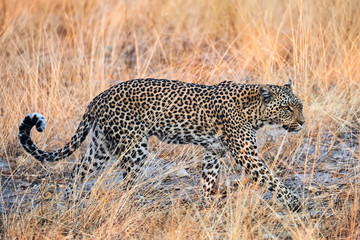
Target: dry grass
(57, 55)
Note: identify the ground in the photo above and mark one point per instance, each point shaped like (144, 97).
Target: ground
(324, 176)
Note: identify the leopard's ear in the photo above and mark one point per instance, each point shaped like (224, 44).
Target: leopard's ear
(289, 85)
(265, 93)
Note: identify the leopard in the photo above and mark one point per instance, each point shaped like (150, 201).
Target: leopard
(224, 119)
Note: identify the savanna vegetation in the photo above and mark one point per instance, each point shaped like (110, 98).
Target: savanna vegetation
(57, 55)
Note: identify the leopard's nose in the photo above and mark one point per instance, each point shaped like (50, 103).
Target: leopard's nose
(301, 120)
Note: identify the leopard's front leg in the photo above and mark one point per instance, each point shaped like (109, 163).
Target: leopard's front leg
(242, 145)
(209, 176)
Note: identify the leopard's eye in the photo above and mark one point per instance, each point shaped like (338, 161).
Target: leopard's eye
(289, 109)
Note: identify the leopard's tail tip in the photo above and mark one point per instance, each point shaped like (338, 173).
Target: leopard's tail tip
(27, 123)
(35, 119)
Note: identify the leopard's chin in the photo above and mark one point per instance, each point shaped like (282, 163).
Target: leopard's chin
(292, 127)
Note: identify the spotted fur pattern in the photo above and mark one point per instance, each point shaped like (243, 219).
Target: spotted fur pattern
(222, 118)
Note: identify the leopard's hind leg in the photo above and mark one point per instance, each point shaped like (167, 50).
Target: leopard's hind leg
(94, 159)
(133, 160)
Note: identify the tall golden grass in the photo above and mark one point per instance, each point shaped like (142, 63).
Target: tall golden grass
(57, 55)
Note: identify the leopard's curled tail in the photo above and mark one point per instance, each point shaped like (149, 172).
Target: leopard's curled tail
(38, 120)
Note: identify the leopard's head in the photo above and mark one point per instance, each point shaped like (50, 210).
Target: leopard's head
(281, 106)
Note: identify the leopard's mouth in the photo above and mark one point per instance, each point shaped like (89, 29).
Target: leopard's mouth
(292, 127)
